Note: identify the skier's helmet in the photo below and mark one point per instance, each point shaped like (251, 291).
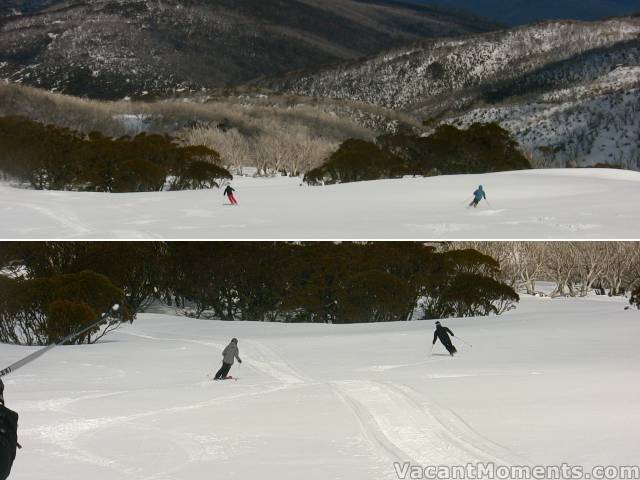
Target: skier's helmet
(437, 323)
(234, 340)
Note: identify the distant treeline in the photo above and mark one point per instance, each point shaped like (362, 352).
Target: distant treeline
(50, 288)
(55, 158)
(481, 148)
(48, 157)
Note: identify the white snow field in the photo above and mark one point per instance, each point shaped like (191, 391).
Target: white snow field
(554, 381)
(558, 204)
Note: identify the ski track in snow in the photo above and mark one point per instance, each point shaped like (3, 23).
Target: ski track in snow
(63, 216)
(400, 424)
(60, 404)
(418, 431)
(63, 436)
(262, 358)
(269, 362)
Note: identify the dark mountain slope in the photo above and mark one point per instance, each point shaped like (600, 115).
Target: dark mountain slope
(116, 48)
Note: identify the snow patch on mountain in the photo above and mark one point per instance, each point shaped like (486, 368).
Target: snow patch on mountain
(598, 130)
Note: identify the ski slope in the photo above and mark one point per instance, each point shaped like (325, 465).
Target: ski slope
(558, 204)
(554, 381)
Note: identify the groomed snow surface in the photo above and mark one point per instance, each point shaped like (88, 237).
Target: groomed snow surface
(554, 381)
(558, 204)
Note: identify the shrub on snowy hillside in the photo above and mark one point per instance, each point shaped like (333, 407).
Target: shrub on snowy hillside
(235, 281)
(468, 295)
(54, 158)
(44, 310)
(353, 283)
(136, 268)
(330, 283)
(466, 284)
(481, 148)
(355, 161)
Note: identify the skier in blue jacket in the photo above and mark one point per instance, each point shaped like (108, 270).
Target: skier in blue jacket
(478, 195)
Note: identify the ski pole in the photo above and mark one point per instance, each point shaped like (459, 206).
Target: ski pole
(30, 358)
(463, 341)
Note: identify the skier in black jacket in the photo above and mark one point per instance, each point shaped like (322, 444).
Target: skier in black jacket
(443, 333)
(8, 436)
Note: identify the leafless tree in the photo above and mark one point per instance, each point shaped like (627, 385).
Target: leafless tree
(576, 268)
(590, 261)
(621, 261)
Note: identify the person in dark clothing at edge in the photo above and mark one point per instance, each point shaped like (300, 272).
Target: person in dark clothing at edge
(230, 353)
(443, 333)
(8, 436)
(228, 192)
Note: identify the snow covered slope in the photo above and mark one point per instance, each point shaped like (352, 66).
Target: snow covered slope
(555, 381)
(593, 121)
(574, 203)
(597, 130)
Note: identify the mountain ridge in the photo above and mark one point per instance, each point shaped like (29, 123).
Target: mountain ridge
(520, 12)
(403, 77)
(110, 49)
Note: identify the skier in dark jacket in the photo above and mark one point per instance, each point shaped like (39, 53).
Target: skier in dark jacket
(443, 333)
(478, 195)
(230, 353)
(8, 436)
(229, 193)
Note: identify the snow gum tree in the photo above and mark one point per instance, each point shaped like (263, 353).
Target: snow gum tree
(51, 157)
(479, 149)
(44, 310)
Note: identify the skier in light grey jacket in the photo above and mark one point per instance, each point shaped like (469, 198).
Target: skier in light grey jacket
(230, 352)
